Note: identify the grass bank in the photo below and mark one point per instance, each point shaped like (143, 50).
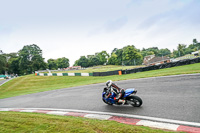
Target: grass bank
(15, 122)
(32, 84)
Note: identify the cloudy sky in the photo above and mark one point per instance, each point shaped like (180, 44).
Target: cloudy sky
(73, 28)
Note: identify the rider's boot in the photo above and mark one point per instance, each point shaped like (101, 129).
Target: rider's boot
(121, 101)
(117, 99)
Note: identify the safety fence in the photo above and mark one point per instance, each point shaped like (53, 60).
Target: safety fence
(107, 73)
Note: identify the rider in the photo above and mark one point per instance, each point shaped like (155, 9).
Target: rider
(118, 91)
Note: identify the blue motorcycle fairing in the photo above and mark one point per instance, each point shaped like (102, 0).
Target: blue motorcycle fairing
(110, 99)
(103, 93)
(128, 92)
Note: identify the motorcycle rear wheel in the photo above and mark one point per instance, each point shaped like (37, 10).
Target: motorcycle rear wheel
(136, 100)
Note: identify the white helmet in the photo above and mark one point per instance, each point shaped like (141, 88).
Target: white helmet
(109, 83)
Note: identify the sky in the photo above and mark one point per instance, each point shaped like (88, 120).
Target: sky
(74, 28)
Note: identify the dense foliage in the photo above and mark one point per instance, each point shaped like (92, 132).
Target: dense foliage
(130, 55)
(2, 63)
(182, 49)
(28, 60)
(92, 60)
(54, 64)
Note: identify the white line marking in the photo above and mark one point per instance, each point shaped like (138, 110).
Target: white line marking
(57, 113)
(160, 125)
(97, 116)
(6, 109)
(28, 110)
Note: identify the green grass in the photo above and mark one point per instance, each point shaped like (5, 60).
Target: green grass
(32, 84)
(99, 69)
(16, 122)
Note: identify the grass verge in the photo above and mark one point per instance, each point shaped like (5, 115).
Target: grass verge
(18, 122)
(32, 84)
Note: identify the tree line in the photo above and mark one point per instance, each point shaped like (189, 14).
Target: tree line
(29, 59)
(130, 55)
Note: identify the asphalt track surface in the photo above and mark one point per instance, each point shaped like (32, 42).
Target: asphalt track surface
(3, 81)
(174, 97)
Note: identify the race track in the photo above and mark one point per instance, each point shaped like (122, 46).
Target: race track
(175, 97)
(3, 81)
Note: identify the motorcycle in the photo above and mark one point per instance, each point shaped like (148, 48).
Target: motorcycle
(128, 96)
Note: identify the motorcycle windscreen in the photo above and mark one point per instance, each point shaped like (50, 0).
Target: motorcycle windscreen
(128, 92)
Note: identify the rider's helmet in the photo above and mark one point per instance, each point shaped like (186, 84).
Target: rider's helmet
(109, 83)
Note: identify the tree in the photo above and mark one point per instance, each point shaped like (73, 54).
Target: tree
(114, 50)
(30, 59)
(103, 57)
(155, 50)
(116, 57)
(181, 49)
(52, 64)
(119, 54)
(195, 41)
(83, 61)
(196, 44)
(38, 63)
(63, 62)
(131, 56)
(2, 63)
(113, 60)
(93, 60)
(76, 63)
(146, 53)
(164, 52)
(13, 65)
(175, 53)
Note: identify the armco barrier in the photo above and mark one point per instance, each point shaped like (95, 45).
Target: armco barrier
(106, 73)
(161, 66)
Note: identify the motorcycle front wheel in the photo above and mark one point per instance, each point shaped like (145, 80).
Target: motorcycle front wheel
(135, 100)
(106, 101)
